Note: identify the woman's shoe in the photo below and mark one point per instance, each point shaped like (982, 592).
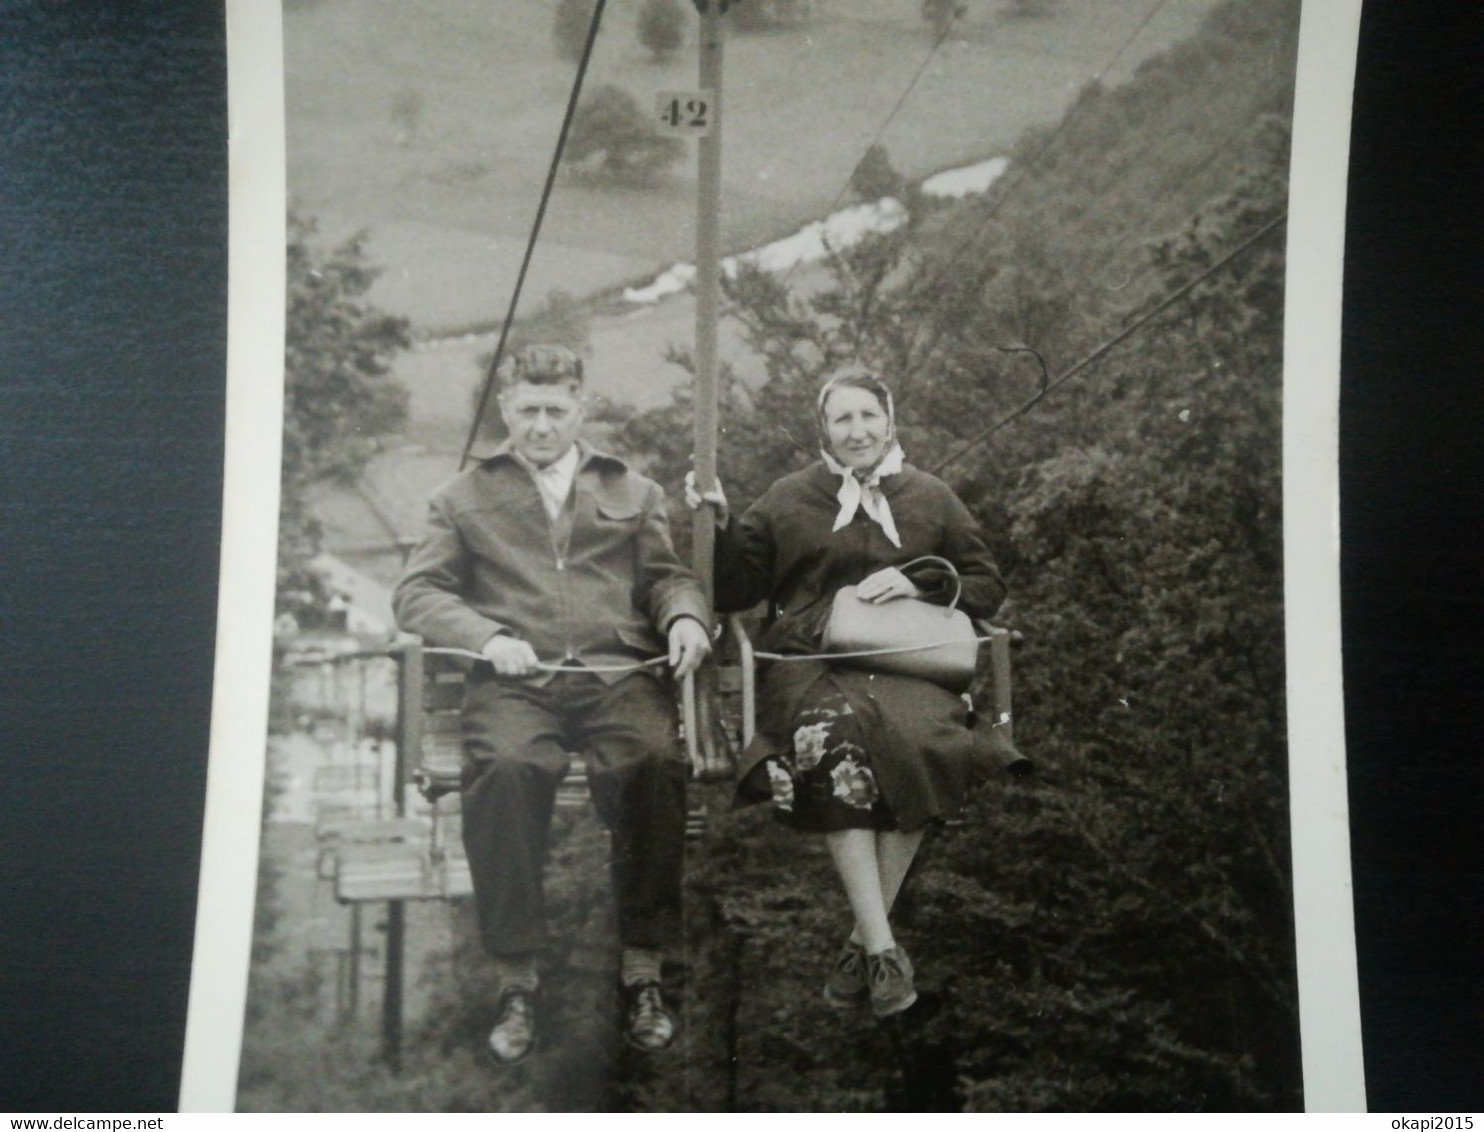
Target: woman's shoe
(889, 977)
(648, 1024)
(846, 986)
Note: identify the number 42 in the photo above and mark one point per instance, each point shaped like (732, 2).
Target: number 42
(685, 112)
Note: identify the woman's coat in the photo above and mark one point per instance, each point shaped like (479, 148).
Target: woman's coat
(785, 552)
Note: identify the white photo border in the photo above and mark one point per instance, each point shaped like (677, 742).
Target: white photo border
(1324, 920)
(256, 296)
(1323, 899)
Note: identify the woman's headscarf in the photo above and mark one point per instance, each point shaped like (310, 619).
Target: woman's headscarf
(861, 489)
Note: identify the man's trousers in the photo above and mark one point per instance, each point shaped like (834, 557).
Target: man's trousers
(517, 739)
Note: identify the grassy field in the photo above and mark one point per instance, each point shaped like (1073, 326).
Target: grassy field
(431, 125)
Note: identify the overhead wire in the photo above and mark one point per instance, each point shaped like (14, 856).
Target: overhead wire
(1048, 386)
(1024, 169)
(885, 124)
(546, 191)
(525, 264)
(881, 128)
(1020, 172)
(1195, 171)
(1103, 348)
(876, 136)
(1023, 172)
(1099, 269)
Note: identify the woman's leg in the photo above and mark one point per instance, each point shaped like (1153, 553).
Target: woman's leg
(895, 851)
(854, 852)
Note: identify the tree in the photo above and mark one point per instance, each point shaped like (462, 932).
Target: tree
(616, 141)
(662, 27)
(570, 27)
(340, 399)
(874, 176)
(406, 114)
(1123, 925)
(942, 13)
(765, 15)
(1024, 9)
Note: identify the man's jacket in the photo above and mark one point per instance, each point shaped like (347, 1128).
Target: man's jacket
(599, 585)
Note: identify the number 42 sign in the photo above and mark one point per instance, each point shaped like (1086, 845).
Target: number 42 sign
(685, 111)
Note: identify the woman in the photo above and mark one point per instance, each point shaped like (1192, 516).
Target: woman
(868, 759)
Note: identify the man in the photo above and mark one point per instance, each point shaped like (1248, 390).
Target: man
(551, 555)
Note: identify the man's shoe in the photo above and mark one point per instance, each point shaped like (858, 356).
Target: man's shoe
(648, 1024)
(514, 1035)
(846, 986)
(889, 976)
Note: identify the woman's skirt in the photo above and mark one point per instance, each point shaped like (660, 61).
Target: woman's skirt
(844, 749)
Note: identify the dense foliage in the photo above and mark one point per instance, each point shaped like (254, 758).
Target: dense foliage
(569, 26)
(768, 15)
(614, 140)
(940, 14)
(1119, 933)
(874, 176)
(340, 400)
(661, 27)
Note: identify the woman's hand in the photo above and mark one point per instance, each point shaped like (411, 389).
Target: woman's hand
(717, 499)
(689, 645)
(887, 585)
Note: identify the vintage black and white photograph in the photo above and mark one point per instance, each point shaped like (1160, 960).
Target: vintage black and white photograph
(780, 595)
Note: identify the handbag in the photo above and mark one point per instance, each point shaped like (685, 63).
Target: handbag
(908, 636)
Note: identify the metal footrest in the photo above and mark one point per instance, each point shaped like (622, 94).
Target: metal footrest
(697, 822)
(399, 872)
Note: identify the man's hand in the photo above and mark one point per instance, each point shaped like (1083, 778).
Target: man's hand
(887, 585)
(689, 645)
(511, 656)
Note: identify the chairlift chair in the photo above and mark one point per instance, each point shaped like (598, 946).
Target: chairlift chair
(1001, 717)
(431, 754)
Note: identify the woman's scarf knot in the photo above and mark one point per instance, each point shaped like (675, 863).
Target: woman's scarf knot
(865, 495)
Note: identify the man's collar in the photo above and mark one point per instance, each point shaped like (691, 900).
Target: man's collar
(586, 455)
(564, 465)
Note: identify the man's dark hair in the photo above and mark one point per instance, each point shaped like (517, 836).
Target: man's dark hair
(540, 365)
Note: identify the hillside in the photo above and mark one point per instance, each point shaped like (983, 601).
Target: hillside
(431, 127)
(1139, 186)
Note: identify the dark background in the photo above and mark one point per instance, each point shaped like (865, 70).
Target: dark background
(112, 350)
(1412, 521)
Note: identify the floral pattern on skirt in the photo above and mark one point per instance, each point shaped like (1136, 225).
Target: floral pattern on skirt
(825, 782)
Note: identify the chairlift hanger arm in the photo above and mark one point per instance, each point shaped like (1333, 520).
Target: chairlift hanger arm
(1138, 324)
